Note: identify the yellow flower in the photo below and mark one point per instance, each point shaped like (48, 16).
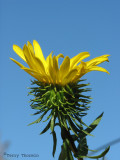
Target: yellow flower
(48, 71)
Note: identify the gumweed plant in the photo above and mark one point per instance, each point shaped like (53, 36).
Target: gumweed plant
(60, 96)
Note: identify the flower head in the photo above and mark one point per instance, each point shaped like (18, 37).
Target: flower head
(59, 95)
(48, 70)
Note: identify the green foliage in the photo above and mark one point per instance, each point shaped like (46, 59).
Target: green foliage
(99, 156)
(94, 124)
(65, 107)
(54, 142)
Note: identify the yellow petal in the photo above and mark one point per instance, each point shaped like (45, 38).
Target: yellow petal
(64, 68)
(29, 71)
(78, 58)
(55, 64)
(55, 68)
(82, 69)
(33, 61)
(69, 76)
(28, 56)
(97, 60)
(48, 59)
(37, 74)
(33, 73)
(30, 47)
(51, 68)
(48, 68)
(40, 65)
(96, 68)
(19, 52)
(59, 55)
(19, 64)
(38, 52)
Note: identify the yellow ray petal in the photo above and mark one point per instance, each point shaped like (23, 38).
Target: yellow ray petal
(55, 68)
(78, 58)
(38, 52)
(30, 47)
(55, 64)
(33, 73)
(40, 65)
(26, 69)
(49, 57)
(69, 76)
(51, 68)
(19, 52)
(33, 61)
(82, 69)
(28, 56)
(64, 68)
(60, 55)
(37, 74)
(48, 68)
(97, 68)
(97, 60)
(19, 64)
(31, 70)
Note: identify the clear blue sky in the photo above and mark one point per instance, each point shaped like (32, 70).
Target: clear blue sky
(67, 27)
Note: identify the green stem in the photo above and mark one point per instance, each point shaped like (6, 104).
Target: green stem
(66, 134)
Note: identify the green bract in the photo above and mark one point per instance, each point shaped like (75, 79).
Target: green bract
(64, 106)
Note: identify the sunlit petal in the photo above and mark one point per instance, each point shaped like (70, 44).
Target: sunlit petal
(19, 52)
(38, 52)
(70, 76)
(19, 64)
(64, 68)
(30, 47)
(97, 60)
(59, 56)
(78, 58)
(32, 73)
(97, 68)
(48, 71)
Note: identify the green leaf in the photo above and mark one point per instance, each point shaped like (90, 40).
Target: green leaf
(99, 156)
(94, 124)
(74, 120)
(73, 127)
(82, 146)
(92, 150)
(39, 119)
(70, 90)
(87, 133)
(80, 121)
(63, 119)
(48, 116)
(54, 142)
(52, 122)
(66, 148)
(46, 128)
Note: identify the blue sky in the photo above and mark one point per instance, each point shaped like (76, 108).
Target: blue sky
(67, 27)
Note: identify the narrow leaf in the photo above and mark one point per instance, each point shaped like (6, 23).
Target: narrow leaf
(39, 119)
(94, 124)
(52, 123)
(73, 127)
(54, 142)
(46, 128)
(99, 156)
(87, 133)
